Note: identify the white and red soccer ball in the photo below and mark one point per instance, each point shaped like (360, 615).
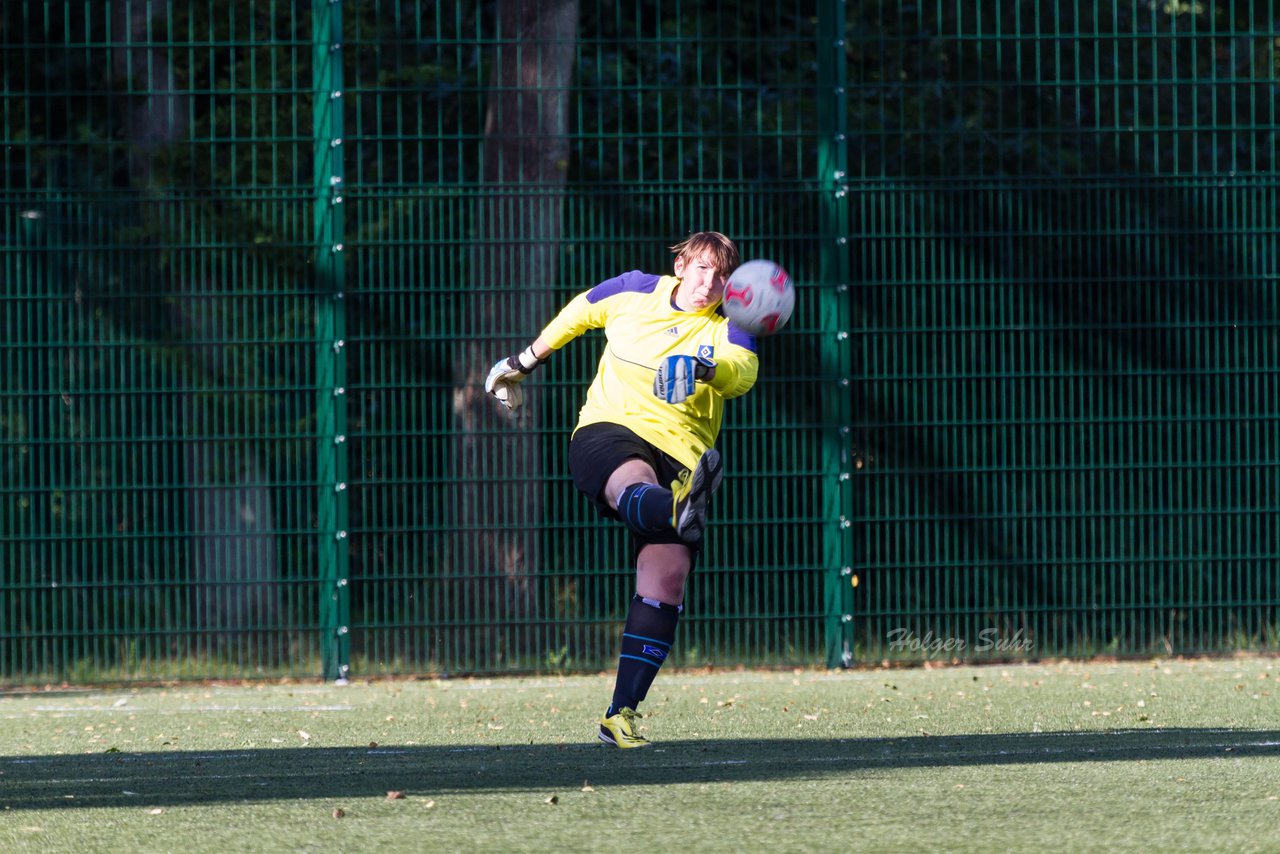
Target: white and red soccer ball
(759, 297)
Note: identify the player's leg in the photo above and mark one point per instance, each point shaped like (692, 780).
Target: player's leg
(617, 471)
(661, 572)
(650, 632)
(648, 509)
(621, 474)
(635, 495)
(647, 638)
(633, 492)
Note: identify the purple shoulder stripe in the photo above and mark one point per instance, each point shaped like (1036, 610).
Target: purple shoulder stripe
(634, 282)
(742, 338)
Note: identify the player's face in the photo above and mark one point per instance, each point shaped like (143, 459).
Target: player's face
(701, 283)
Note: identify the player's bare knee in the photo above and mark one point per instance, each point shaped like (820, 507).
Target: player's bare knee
(631, 471)
(661, 572)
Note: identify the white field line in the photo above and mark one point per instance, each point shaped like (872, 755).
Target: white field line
(79, 711)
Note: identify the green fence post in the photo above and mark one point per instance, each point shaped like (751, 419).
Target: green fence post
(334, 547)
(833, 177)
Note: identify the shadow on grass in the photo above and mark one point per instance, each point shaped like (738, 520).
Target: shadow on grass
(192, 777)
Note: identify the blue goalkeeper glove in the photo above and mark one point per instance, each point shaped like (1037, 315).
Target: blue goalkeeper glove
(676, 376)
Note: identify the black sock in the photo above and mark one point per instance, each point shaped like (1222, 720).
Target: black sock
(645, 508)
(646, 643)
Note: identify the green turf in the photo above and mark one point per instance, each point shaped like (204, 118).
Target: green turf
(1145, 756)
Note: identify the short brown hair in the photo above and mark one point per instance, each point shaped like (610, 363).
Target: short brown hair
(721, 249)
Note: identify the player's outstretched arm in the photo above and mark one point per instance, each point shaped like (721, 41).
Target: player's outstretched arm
(507, 374)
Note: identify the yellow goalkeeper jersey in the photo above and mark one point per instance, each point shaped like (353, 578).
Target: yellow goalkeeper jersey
(642, 326)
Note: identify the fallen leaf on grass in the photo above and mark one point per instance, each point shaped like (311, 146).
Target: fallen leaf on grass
(156, 811)
(587, 787)
(554, 799)
(395, 796)
(339, 813)
(304, 735)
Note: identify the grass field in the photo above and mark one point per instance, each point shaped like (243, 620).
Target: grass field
(1142, 756)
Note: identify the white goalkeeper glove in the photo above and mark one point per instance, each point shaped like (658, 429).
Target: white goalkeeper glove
(505, 377)
(677, 375)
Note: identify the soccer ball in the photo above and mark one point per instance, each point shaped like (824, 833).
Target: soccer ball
(759, 297)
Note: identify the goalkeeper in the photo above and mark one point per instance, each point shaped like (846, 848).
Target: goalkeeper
(643, 451)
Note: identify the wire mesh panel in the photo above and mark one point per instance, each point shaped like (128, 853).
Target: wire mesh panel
(257, 257)
(505, 165)
(157, 418)
(1069, 368)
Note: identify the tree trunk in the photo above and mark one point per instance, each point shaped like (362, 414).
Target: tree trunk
(498, 474)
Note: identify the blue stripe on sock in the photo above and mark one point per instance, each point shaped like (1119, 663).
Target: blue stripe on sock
(631, 500)
(626, 511)
(632, 513)
(667, 644)
(655, 665)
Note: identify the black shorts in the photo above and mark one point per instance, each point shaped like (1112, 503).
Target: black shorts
(596, 451)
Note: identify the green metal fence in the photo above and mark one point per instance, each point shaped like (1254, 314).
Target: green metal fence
(256, 257)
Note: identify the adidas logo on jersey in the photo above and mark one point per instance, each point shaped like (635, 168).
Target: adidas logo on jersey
(675, 330)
